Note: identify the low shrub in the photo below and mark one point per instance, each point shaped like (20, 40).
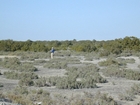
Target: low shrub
(26, 82)
(23, 96)
(77, 78)
(1, 85)
(138, 66)
(16, 75)
(129, 95)
(15, 64)
(89, 71)
(56, 64)
(71, 83)
(40, 82)
(90, 99)
(27, 68)
(124, 73)
(109, 62)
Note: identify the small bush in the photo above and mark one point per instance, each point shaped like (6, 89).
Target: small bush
(129, 95)
(16, 75)
(15, 64)
(40, 82)
(56, 64)
(124, 73)
(1, 85)
(26, 82)
(20, 90)
(109, 62)
(104, 53)
(90, 99)
(71, 83)
(27, 68)
(138, 66)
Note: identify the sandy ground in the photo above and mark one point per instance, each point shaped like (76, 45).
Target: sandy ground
(113, 87)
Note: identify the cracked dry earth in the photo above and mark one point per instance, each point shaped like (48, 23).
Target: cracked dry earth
(113, 87)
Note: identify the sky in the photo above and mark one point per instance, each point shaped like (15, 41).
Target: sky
(48, 20)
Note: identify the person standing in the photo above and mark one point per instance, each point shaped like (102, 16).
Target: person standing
(52, 52)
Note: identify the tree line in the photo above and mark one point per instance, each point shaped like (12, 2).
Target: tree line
(116, 46)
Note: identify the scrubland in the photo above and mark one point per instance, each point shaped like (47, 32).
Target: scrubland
(70, 78)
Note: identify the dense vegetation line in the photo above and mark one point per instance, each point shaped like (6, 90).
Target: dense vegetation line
(116, 46)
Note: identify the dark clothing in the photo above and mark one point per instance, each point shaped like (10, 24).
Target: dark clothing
(52, 51)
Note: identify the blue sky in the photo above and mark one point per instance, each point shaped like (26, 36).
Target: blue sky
(69, 19)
